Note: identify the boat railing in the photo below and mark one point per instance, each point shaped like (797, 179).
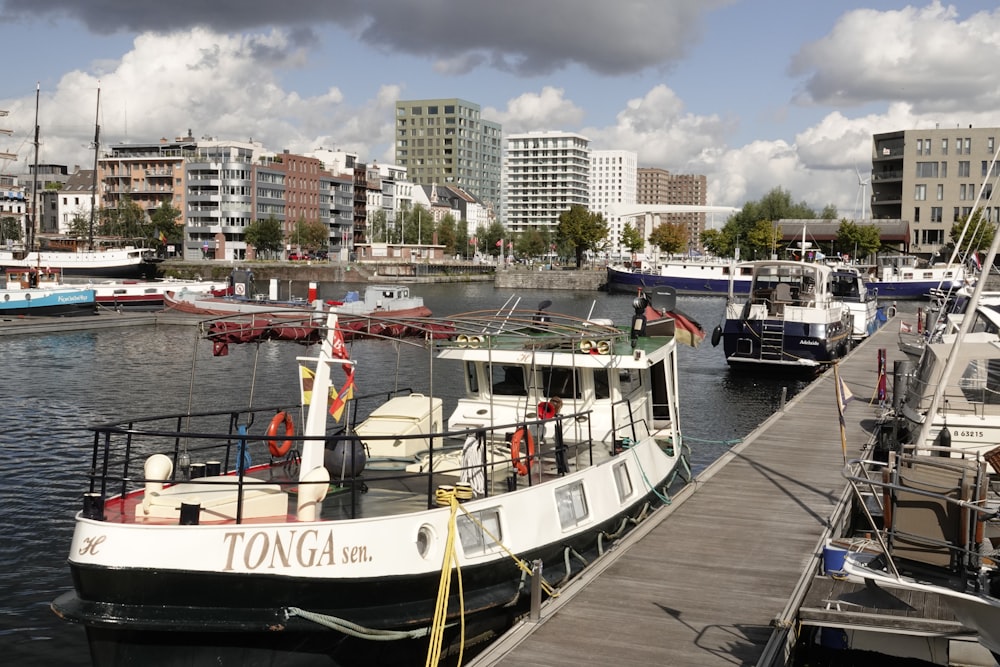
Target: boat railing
(926, 510)
(234, 448)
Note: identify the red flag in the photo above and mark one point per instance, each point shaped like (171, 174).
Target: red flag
(339, 349)
(500, 243)
(686, 330)
(472, 241)
(347, 391)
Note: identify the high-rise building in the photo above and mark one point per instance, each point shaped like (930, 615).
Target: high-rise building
(613, 182)
(932, 178)
(445, 141)
(659, 186)
(545, 174)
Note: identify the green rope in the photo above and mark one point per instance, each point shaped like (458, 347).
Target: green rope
(355, 630)
(734, 441)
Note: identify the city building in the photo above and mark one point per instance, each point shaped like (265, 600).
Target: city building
(445, 141)
(612, 183)
(545, 174)
(660, 187)
(75, 199)
(932, 178)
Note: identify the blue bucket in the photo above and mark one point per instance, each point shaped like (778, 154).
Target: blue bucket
(833, 560)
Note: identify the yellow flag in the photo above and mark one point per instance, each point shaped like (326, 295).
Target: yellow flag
(307, 376)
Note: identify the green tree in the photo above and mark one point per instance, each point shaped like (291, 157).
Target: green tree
(669, 237)
(713, 241)
(978, 237)
(581, 229)
(775, 205)
(447, 234)
(829, 212)
(126, 220)
(857, 240)
(418, 225)
(531, 243)
(631, 238)
(164, 219)
(311, 235)
(79, 224)
(10, 229)
(763, 239)
(266, 236)
(490, 236)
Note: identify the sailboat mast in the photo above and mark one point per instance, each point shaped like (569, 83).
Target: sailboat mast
(97, 147)
(32, 231)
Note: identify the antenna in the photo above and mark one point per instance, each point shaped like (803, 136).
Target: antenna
(861, 200)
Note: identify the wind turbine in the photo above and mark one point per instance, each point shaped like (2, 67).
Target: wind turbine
(861, 198)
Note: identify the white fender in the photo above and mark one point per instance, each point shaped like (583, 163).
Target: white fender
(311, 495)
(156, 470)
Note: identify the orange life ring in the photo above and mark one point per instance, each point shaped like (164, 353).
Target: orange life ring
(272, 431)
(522, 433)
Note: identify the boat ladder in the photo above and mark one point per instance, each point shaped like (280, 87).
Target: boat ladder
(772, 334)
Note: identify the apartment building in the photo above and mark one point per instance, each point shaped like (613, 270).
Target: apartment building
(447, 142)
(613, 175)
(659, 186)
(931, 178)
(545, 174)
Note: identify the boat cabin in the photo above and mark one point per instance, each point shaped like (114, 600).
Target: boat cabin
(21, 278)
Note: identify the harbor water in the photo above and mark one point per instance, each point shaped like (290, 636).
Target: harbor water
(57, 384)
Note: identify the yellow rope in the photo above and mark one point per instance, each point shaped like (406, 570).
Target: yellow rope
(523, 565)
(444, 588)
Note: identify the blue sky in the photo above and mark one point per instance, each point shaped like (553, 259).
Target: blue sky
(754, 95)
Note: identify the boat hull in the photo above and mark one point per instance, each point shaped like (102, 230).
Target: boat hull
(696, 281)
(119, 263)
(159, 616)
(801, 346)
(47, 302)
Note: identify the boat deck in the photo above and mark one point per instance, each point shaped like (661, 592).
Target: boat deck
(707, 580)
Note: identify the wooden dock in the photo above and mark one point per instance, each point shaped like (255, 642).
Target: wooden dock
(718, 577)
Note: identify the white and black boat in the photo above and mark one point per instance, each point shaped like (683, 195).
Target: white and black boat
(791, 320)
(186, 552)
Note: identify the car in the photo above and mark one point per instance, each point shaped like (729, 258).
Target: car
(322, 254)
(294, 256)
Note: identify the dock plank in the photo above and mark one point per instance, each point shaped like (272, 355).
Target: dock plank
(704, 582)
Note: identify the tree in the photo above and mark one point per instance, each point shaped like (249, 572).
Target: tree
(979, 235)
(775, 205)
(312, 235)
(631, 238)
(266, 236)
(164, 220)
(857, 240)
(79, 224)
(10, 229)
(581, 229)
(418, 226)
(713, 241)
(763, 239)
(669, 237)
(126, 220)
(447, 234)
(490, 236)
(531, 243)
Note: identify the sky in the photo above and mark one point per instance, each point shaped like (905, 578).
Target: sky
(754, 94)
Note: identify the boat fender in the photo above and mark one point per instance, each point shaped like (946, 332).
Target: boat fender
(550, 408)
(522, 466)
(281, 449)
(943, 439)
(745, 315)
(716, 335)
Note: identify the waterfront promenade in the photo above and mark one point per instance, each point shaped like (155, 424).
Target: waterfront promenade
(706, 580)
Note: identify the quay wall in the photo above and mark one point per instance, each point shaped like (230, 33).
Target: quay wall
(518, 277)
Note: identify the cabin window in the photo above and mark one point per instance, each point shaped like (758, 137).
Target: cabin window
(561, 382)
(630, 381)
(508, 380)
(980, 381)
(602, 384)
(471, 378)
(472, 531)
(622, 481)
(571, 503)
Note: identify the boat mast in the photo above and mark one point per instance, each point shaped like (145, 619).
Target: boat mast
(34, 179)
(97, 146)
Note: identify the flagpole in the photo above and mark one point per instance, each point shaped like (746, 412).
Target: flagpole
(840, 408)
